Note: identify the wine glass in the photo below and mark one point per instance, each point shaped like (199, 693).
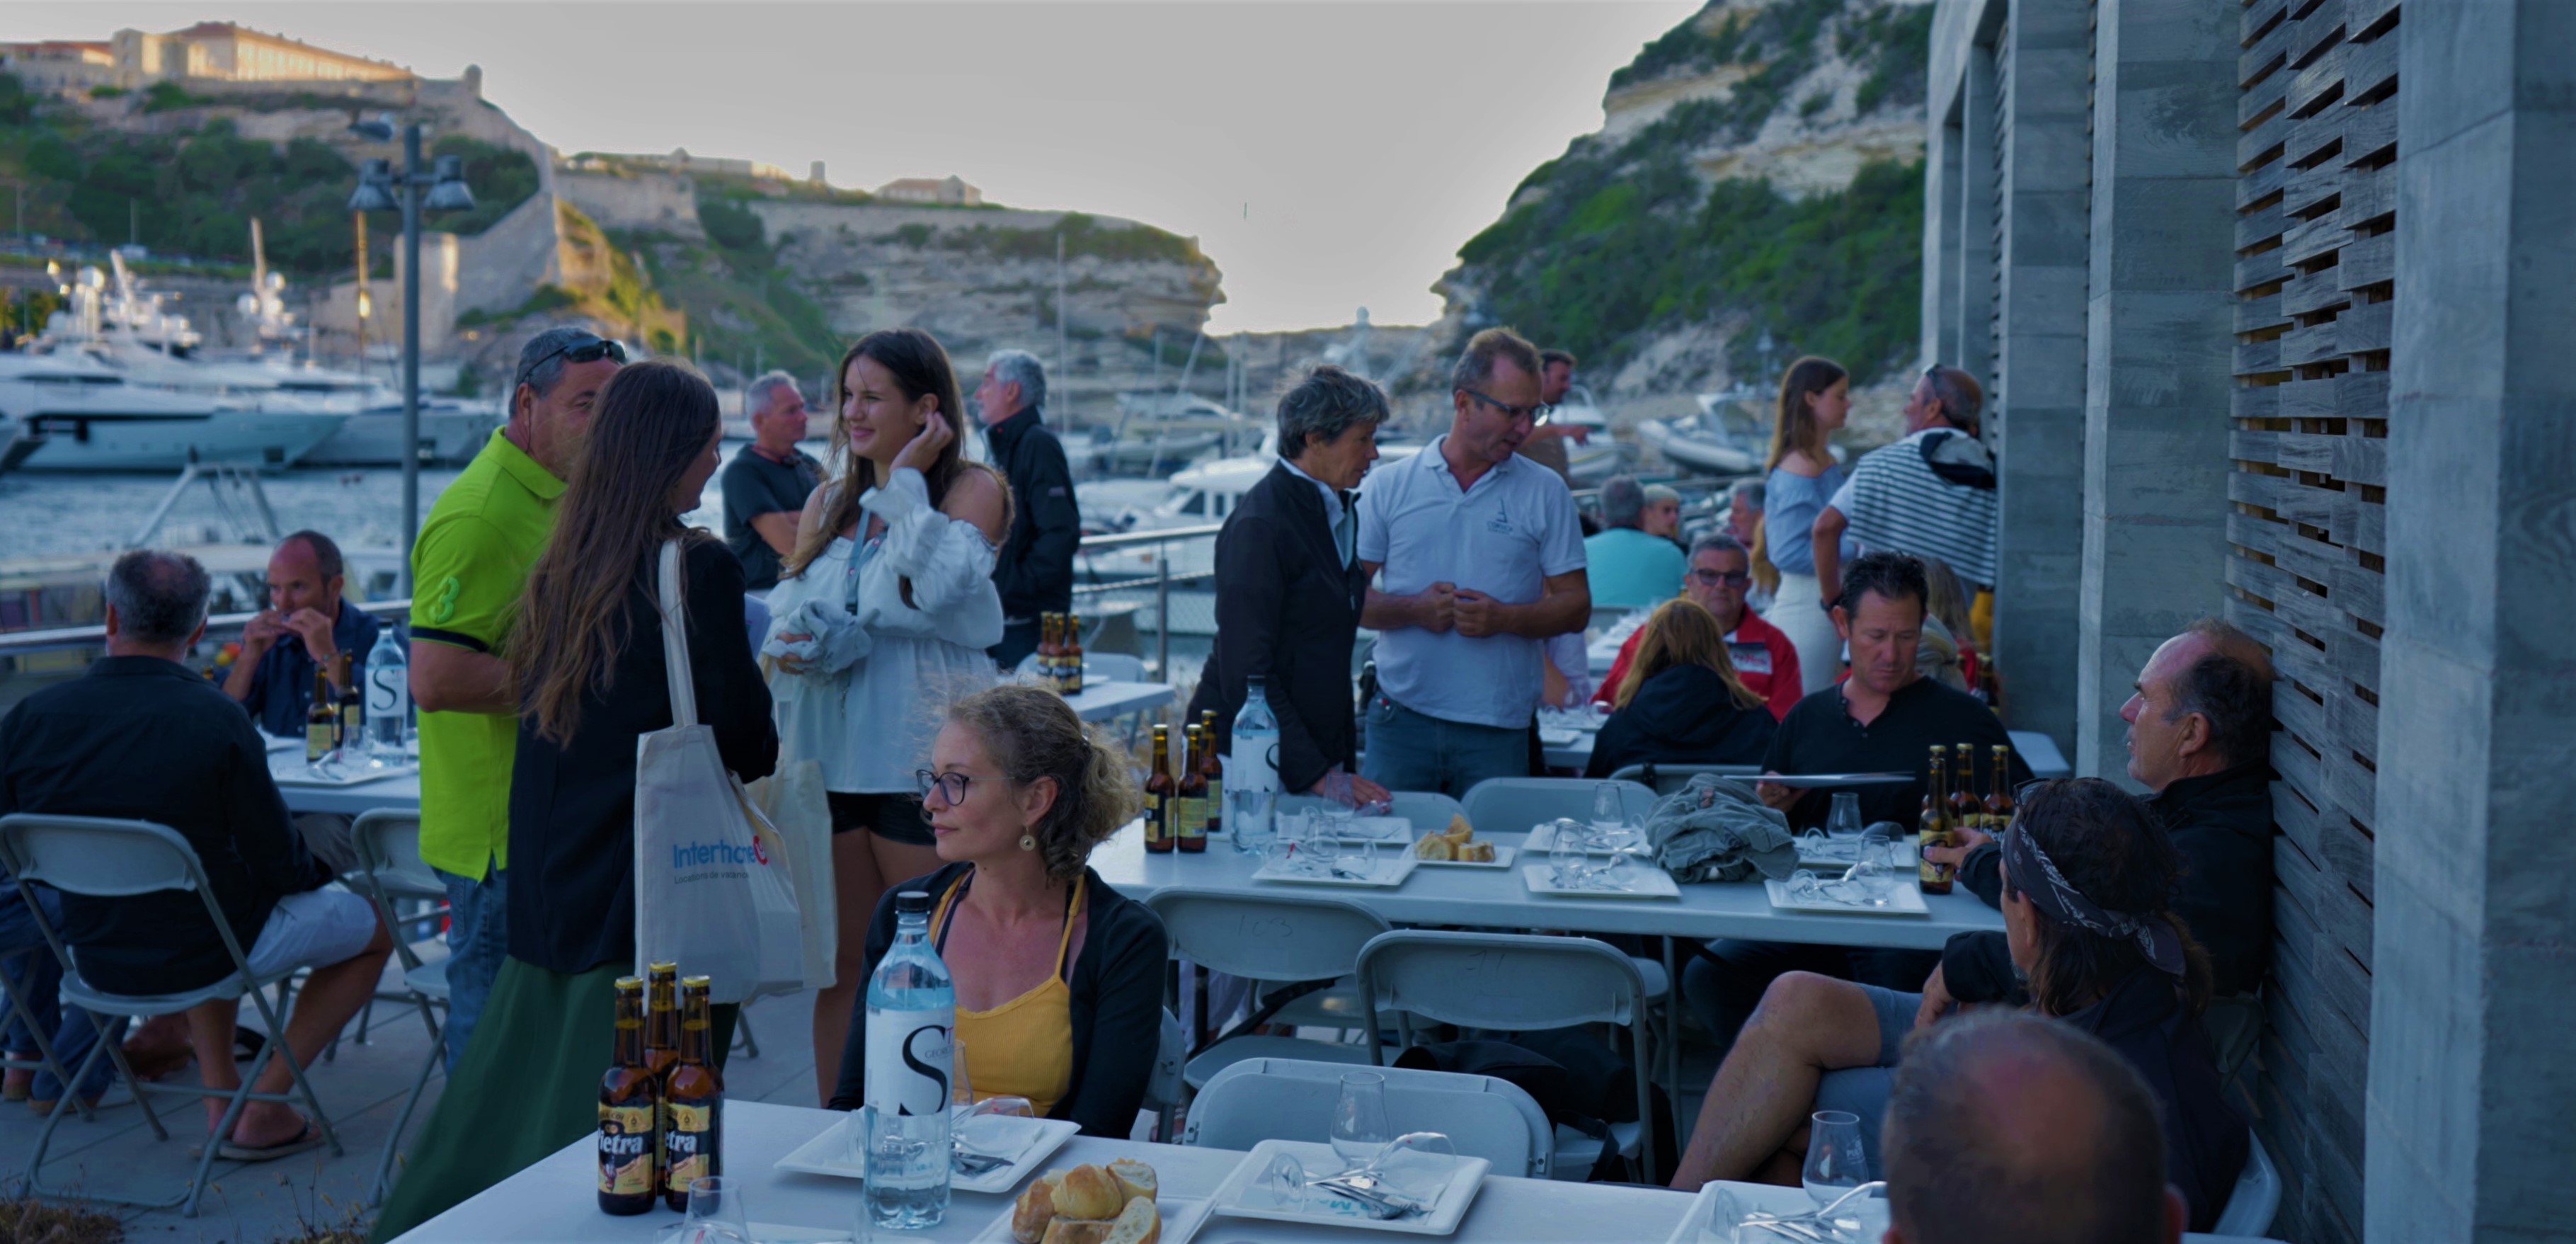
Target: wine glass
(1836, 1162)
(1359, 855)
(1338, 821)
(1842, 824)
(1878, 869)
(1609, 809)
(1565, 857)
(715, 1212)
(1359, 1118)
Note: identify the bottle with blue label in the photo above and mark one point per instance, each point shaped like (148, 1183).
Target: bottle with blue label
(912, 1016)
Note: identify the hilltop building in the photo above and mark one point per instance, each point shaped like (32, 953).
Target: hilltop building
(678, 161)
(205, 52)
(949, 191)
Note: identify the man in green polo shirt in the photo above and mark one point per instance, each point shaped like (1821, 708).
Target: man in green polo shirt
(467, 570)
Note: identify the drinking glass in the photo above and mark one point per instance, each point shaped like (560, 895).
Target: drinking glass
(1338, 820)
(715, 1212)
(1359, 856)
(1565, 857)
(1417, 1164)
(1609, 810)
(1843, 823)
(1359, 1118)
(961, 1092)
(1836, 1163)
(1879, 867)
(1248, 819)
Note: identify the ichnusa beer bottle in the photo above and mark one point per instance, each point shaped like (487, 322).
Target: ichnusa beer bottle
(629, 1102)
(692, 1103)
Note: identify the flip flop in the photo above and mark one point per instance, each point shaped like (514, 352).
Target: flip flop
(309, 1138)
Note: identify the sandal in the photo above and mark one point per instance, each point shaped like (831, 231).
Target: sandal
(309, 1138)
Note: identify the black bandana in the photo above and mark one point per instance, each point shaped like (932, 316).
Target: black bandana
(2036, 877)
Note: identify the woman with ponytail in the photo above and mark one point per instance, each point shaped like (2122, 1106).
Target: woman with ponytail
(1800, 476)
(1059, 978)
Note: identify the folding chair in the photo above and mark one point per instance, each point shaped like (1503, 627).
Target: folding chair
(45, 1061)
(1165, 1087)
(103, 858)
(390, 867)
(1273, 940)
(2256, 1197)
(1485, 1117)
(1515, 982)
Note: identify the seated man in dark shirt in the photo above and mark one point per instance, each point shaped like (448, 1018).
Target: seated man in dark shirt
(141, 737)
(307, 626)
(765, 486)
(1886, 717)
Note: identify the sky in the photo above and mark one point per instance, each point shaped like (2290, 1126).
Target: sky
(1328, 154)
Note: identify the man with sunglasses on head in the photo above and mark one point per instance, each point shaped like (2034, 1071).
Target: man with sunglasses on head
(468, 569)
(1477, 556)
(1719, 576)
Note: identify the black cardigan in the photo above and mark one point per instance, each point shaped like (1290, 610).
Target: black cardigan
(1117, 1008)
(1286, 609)
(1685, 715)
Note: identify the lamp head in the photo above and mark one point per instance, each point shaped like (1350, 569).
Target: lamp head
(375, 187)
(379, 127)
(448, 192)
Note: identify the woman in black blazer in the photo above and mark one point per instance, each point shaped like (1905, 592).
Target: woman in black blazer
(1289, 586)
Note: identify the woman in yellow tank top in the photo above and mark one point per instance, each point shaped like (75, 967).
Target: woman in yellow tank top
(1058, 976)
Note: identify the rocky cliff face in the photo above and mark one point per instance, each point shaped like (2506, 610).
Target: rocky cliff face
(1757, 171)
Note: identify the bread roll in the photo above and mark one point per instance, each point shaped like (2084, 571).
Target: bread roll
(1140, 1223)
(1433, 847)
(1476, 852)
(1089, 1192)
(1134, 1178)
(1035, 1209)
(1077, 1231)
(1459, 830)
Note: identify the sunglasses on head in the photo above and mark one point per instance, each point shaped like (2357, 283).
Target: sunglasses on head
(590, 351)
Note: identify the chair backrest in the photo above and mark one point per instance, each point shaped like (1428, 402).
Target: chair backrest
(1511, 805)
(99, 856)
(1262, 1099)
(388, 846)
(2257, 1195)
(1172, 1053)
(1427, 810)
(1665, 779)
(1508, 981)
(1266, 937)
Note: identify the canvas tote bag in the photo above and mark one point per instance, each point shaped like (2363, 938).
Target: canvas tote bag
(713, 888)
(794, 801)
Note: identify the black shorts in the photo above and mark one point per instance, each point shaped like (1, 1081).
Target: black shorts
(894, 817)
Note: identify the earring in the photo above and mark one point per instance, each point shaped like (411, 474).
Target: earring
(1028, 842)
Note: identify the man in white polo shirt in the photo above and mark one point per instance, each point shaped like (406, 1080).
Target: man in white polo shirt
(1477, 557)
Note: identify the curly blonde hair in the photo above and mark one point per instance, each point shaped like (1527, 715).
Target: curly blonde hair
(1031, 733)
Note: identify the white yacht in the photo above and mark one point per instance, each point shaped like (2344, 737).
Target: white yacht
(69, 412)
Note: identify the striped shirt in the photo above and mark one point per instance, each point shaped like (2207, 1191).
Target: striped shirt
(1895, 500)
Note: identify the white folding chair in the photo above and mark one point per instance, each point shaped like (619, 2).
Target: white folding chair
(1165, 1087)
(1262, 1099)
(103, 858)
(1274, 940)
(1511, 805)
(1518, 982)
(390, 867)
(2256, 1197)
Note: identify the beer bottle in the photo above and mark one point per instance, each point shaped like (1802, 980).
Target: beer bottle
(1934, 829)
(1047, 673)
(1213, 772)
(321, 721)
(1999, 800)
(662, 1019)
(1072, 649)
(1192, 789)
(629, 1112)
(1161, 794)
(352, 727)
(692, 1103)
(1965, 811)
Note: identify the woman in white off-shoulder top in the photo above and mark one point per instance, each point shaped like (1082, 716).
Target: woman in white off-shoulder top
(880, 620)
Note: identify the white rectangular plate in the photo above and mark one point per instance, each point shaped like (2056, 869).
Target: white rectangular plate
(1844, 854)
(1558, 736)
(1807, 781)
(1182, 1218)
(1694, 1225)
(1644, 881)
(1542, 839)
(1231, 1196)
(1393, 866)
(289, 771)
(1904, 900)
(1502, 859)
(829, 1154)
(1377, 829)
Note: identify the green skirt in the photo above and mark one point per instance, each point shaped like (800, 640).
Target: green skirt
(527, 1086)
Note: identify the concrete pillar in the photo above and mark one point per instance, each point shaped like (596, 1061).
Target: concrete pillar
(2471, 1085)
(2159, 325)
(1972, 315)
(2036, 405)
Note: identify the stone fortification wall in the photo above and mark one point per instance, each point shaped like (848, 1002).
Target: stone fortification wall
(656, 202)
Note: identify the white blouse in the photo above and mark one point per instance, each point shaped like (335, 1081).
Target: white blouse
(870, 722)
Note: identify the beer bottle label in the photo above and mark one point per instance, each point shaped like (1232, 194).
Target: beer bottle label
(1216, 805)
(626, 1150)
(317, 737)
(1156, 828)
(1191, 819)
(689, 1142)
(908, 1053)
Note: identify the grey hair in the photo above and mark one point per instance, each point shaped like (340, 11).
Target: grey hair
(1657, 494)
(541, 365)
(1021, 368)
(2231, 686)
(1622, 501)
(1719, 542)
(159, 596)
(756, 395)
(1748, 490)
(1324, 405)
(1959, 394)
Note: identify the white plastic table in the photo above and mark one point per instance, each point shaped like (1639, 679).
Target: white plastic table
(555, 1199)
(1104, 701)
(1495, 898)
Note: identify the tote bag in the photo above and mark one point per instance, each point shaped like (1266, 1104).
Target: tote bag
(713, 888)
(794, 801)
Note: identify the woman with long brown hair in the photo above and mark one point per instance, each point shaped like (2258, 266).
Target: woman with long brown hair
(1680, 701)
(1800, 476)
(587, 657)
(881, 619)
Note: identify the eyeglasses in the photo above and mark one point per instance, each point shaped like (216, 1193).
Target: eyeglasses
(590, 351)
(951, 786)
(1536, 414)
(1731, 578)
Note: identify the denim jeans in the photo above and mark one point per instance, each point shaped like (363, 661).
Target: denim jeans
(1415, 751)
(40, 978)
(478, 938)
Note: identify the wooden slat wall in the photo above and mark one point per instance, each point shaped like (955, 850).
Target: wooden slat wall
(2315, 248)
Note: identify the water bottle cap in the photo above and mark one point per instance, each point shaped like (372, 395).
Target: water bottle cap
(912, 903)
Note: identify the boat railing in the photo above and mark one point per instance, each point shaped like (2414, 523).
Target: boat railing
(219, 627)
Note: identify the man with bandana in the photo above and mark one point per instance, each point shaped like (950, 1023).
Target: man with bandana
(2088, 876)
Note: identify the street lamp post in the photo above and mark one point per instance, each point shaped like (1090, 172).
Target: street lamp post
(377, 183)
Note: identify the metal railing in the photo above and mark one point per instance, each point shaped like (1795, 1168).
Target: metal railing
(1161, 582)
(221, 625)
